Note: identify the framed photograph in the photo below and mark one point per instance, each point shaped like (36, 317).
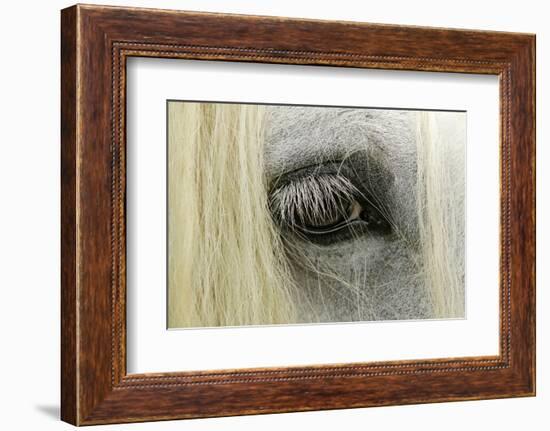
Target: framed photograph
(264, 214)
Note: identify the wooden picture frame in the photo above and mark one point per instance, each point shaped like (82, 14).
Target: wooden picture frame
(96, 41)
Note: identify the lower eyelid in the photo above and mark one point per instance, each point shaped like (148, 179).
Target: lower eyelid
(366, 221)
(351, 231)
(325, 231)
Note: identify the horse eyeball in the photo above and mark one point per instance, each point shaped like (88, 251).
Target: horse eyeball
(324, 207)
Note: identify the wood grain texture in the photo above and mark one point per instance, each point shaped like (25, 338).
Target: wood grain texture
(69, 397)
(96, 41)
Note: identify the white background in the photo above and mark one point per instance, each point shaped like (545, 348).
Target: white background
(29, 227)
(151, 348)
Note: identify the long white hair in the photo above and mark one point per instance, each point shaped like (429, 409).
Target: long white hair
(227, 262)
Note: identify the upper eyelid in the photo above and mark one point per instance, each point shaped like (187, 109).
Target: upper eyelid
(337, 181)
(330, 167)
(310, 197)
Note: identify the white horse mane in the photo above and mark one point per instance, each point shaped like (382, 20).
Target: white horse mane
(230, 264)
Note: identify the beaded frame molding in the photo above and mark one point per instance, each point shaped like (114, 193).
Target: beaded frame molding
(95, 43)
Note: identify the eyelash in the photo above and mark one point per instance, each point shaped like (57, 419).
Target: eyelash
(325, 208)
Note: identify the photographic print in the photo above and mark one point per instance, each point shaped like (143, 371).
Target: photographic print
(270, 221)
(297, 214)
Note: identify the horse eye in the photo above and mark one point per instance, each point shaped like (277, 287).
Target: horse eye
(333, 219)
(324, 208)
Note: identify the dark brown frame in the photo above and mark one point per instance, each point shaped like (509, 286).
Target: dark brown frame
(95, 43)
